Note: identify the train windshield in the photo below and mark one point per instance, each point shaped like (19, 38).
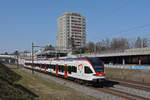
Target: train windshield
(97, 64)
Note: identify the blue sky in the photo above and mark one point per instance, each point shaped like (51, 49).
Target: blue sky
(25, 21)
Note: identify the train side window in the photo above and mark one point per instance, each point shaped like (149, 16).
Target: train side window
(59, 68)
(48, 66)
(69, 69)
(43, 66)
(51, 66)
(74, 69)
(54, 67)
(62, 67)
(38, 65)
(28, 64)
(87, 70)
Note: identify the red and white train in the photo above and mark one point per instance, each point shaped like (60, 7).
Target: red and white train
(87, 69)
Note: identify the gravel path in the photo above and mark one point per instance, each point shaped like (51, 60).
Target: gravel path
(83, 89)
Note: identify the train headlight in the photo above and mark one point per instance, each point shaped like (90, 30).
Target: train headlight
(99, 74)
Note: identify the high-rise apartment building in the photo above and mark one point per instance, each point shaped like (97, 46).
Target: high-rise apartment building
(71, 31)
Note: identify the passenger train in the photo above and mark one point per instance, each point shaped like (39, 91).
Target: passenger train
(86, 70)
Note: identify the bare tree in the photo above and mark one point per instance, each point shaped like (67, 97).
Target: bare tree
(114, 43)
(138, 43)
(119, 44)
(98, 47)
(6, 53)
(145, 42)
(141, 42)
(91, 46)
(16, 52)
(124, 44)
(102, 45)
(105, 45)
(49, 47)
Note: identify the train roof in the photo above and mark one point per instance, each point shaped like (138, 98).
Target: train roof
(71, 59)
(88, 58)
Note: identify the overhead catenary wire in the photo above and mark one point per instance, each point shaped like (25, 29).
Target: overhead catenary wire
(126, 30)
(132, 29)
(116, 10)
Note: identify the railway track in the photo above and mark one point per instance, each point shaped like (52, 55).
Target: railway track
(114, 92)
(128, 95)
(118, 93)
(108, 90)
(132, 84)
(124, 95)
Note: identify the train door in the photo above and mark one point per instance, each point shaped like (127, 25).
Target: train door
(45, 68)
(80, 70)
(56, 70)
(66, 70)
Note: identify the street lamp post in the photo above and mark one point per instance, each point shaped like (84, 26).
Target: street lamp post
(32, 57)
(17, 61)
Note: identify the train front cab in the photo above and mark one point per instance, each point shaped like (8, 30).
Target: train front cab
(97, 70)
(90, 76)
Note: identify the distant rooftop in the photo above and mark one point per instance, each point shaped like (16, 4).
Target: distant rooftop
(72, 13)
